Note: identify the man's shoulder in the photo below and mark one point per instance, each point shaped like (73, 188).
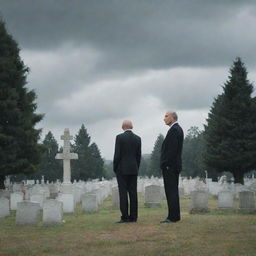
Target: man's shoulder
(175, 129)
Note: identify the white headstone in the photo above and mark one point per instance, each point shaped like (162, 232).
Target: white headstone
(225, 199)
(4, 207)
(89, 203)
(5, 193)
(15, 198)
(27, 213)
(153, 196)
(38, 198)
(199, 200)
(68, 202)
(246, 200)
(52, 212)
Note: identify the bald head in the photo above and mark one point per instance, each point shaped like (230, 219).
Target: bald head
(170, 117)
(127, 124)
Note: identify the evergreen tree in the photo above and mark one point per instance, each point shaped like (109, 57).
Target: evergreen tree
(90, 164)
(19, 148)
(230, 132)
(154, 165)
(96, 162)
(192, 161)
(143, 171)
(108, 167)
(81, 167)
(50, 168)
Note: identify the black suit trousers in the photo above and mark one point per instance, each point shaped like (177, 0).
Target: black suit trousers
(171, 186)
(127, 185)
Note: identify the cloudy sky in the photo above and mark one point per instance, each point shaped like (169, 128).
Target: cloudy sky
(98, 62)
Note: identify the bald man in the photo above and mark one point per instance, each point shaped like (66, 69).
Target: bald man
(171, 165)
(126, 166)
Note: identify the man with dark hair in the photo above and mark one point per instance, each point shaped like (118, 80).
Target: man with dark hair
(126, 165)
(171, 165)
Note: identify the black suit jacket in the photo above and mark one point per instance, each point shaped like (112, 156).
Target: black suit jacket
(127, 153)
(172, 148)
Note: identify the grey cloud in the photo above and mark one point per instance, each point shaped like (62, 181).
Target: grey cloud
(136, 34)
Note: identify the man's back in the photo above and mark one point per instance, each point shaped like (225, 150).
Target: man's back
(127, 153)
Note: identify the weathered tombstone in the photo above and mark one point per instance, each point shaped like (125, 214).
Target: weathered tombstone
(239, 188)
(153, 196)
(246, 201)
(38, 198)
(52, 212)
(4, 207)
(68, 202)
(115, 197)
(199, 200)
(53, 188)
(17, 187)
(27, 213)
(15, 198)
(89, 203)
(225, 200)
(5, 193)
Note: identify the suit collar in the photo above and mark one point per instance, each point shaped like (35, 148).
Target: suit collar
(173, 124)
(128, 130)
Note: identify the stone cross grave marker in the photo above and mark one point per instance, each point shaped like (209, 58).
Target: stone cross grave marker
(66, 156)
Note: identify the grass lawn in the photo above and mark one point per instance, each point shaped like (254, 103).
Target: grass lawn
(213, 233)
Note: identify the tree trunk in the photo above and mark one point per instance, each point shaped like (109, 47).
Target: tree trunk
(2, 179)
(239, 176)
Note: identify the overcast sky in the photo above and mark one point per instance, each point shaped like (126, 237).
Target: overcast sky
(98, 62)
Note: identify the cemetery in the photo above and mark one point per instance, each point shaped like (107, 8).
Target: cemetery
(84, 216)
(88, 211)
(85, 65)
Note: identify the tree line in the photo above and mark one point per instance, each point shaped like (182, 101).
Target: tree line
(227, 143)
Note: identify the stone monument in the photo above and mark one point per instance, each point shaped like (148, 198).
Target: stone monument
(66, 156)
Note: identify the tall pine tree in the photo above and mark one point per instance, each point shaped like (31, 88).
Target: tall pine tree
(230, 132)
(90, 164)
(81, 167)
(50, 167)
(192, 161)
(19, 148)
(96, 162)
(154, 164)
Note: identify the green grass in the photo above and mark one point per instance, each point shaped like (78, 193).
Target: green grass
(213, 233)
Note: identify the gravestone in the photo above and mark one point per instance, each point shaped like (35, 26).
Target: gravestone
(52, 212)
(27, 213)
(89, 203)
(53, 188)
(38, 198)
(153, 196)
(246, 201)
(68, 202)
(4, 207)
(15, 198)
(199, 200)
(115, 197)
(5, 193)
(225, 200)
